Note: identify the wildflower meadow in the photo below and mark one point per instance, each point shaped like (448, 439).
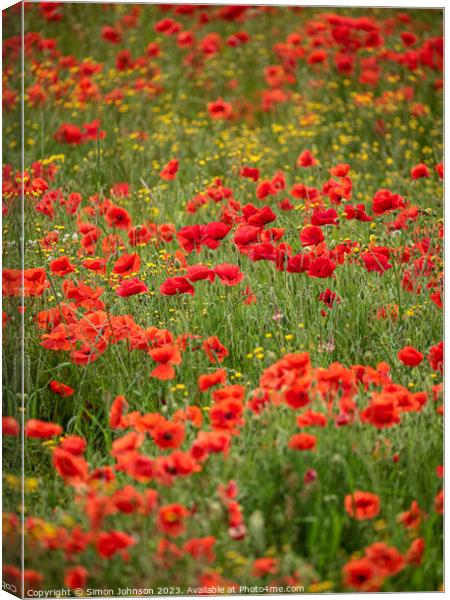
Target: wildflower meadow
(222, 299)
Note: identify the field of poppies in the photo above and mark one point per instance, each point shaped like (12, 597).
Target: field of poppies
(230, 298)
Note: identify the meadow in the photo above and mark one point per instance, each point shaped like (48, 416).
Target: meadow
(230, 299)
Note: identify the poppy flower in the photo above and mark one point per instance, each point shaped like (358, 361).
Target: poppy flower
(166, 356)
(302, 441)
(382, 411)
(74, 444)
(385, 201)
(250, 173)
(376, 259)
(411, 518)
(340, 170)
(362, 505)
(387, 558)
(96, 265)
(214, 349)
(10, 426)
(75, 578)
(264, 566)
(34, 428)
(118, 218)
(118, 407)
(311, 419)
(329, 298)
(110, 542)
(226, 415)
(363, 575)
(61, 388)
(171, 519)
(219, 109)
(176, 285)
(321, 267)
(127, 264)
(170, 170)
(112, 35)
(409, 356)
(299, 263)
(208, 380)
(72, 468)
(61, 266)
(306, 159)
(419, 171)
(199, 273)
(168, 435)
(436, 357)
(228, 274)
(415, 552)
(324, 217)
(131, 287)
(357, 212)
(201, 549)
(311, 235)
(69, 134)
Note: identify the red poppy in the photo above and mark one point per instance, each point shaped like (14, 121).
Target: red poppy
(362, 505)
(199, 273)
(75, 578)
(377, 259)
(411, 518)
(264, 566)
(166, 356)
(168, 435)
(363, 575)
(41, 429)
(387, 558)
(110, 542)
(112, 35)
(61, 388)
(214, 349)
(61, 266)
(227, 415)
(73, 469)
(127, 264)
(131, 287)
(116, 412)
(170, 170)
(436, 357)
(69, 134)
(324, 217)
(118, 218)
(208, 380)
(250, 173)
(302, 441)
(176, 285)
(229, 274)
(201, 549)
(321, 267)
(409, 356)
(10, 426)
(415, 552)
(311, 419)
(419, 171)
(74, 444)
(306, 159)
(171, 519)
(219, 109)
(382, 411)
(311, 235)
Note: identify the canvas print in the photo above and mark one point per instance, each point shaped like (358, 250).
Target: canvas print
(222, 299)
